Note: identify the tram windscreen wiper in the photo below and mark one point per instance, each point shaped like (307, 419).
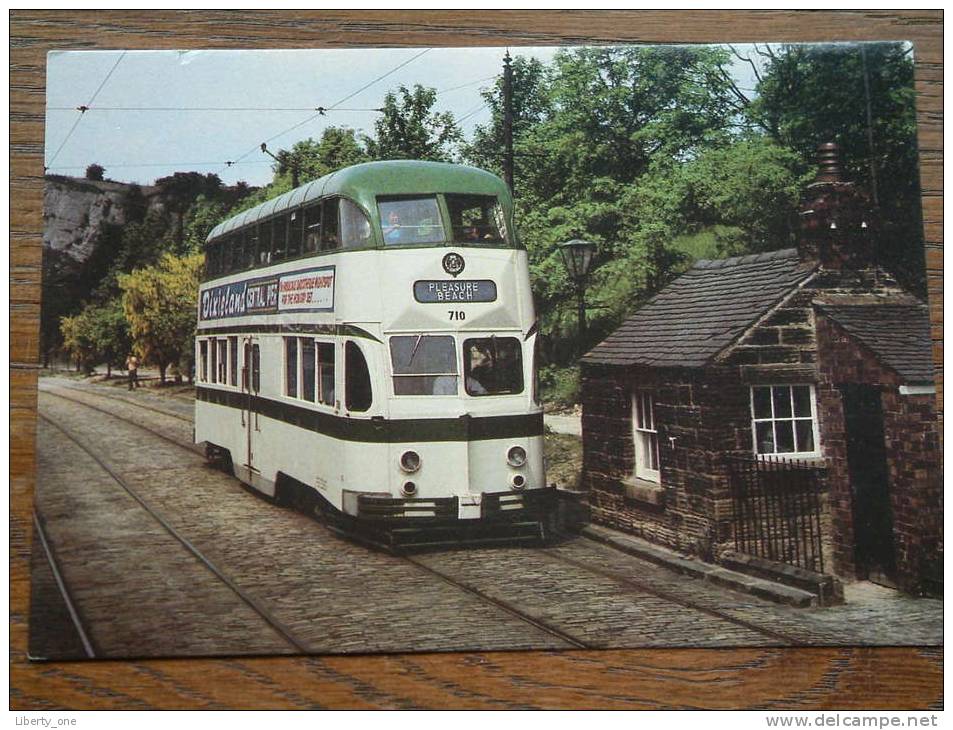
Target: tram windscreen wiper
(414, 351)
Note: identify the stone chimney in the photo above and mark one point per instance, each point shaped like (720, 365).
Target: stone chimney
(836, 217)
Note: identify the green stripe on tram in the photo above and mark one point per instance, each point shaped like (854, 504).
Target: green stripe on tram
(379, 430)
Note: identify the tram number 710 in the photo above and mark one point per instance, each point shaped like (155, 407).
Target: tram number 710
(457, 315)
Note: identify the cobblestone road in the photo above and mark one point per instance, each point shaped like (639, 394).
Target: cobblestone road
(336, 596)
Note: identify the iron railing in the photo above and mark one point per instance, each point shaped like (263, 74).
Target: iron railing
(777, 510)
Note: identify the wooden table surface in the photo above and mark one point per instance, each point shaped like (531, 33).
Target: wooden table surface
(632, 679)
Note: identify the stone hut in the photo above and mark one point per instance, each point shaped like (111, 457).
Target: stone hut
(813, 354)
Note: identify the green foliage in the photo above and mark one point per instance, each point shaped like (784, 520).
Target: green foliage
(559, 386)
(159, 303)
(409, 128)
(337, 148)
(98, 334)
(95, 172)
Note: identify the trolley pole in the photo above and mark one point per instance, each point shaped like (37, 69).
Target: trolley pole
(508, 122)
(293, 165)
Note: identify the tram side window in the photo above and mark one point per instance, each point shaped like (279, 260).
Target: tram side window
(233, 361)
(227, 256)
(251, 245)
(291, 366)
(264, 242)
(493, 366)
(312, 227)
(203, 360)
(294, 233)
(476, 219)
(222, 345)
(355, 228)
(329, 229)
(424, 365)
(279, 239)
(255, 368)
(211, 259)
(239, 253)
(410, 221)
(326, 374)
(307, 369)
(212, 351)
(357, 379)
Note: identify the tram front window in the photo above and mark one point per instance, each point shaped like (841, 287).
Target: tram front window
(493, 366)
(409, 221)
(424, 365)
(476, 219)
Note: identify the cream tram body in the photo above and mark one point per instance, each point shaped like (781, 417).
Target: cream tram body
(369, 338)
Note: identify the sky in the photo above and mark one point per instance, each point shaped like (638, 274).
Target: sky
(152, 113)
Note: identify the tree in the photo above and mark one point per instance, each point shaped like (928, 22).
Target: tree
(862, 97)
(337, 148)
(108, 330)
(77, 342)
(409, 128)
(160, 304)
(95, 172)
(530, 105)
(180, 190)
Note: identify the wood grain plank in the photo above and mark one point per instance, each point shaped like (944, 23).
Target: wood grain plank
(813, 679)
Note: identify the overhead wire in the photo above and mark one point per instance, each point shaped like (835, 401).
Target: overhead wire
(83, 109)
(321, 110)
(206, 109)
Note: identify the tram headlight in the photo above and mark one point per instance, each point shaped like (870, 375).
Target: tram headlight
(410, 461)
(518, 481)
(516, 456)
(408, 489)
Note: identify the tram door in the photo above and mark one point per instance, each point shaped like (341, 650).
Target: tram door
(251, 385)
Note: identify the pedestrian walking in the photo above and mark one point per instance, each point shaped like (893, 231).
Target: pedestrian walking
(132, 366)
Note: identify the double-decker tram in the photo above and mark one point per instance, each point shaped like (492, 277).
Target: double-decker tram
(366, 350)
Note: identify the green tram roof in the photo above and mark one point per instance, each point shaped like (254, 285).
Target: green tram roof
(364, 183)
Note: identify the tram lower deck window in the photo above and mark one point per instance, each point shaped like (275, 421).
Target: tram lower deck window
(493, 366)
(424, 365)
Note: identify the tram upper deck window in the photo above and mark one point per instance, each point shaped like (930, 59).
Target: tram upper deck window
(493, 366)
(476, 219)
(424, 365)
(355, 228)
(264, 242)
(279, 238)
(312, 227)
(294, 233)
(409, 221)
(330, 239)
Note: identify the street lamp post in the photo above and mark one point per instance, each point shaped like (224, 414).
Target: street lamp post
(577, 257)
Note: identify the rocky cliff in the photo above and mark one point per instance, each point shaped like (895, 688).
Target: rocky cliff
(75, 211)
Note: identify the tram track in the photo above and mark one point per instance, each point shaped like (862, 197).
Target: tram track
(625, 582)
(63, 589)
(500, 604)
(245, 597)
(119, 399)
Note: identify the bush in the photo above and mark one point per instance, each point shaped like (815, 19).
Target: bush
(559, 386)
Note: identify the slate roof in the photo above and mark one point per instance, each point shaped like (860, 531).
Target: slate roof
(899, 334)
(703, 311)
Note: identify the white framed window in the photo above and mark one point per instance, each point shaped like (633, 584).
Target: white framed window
(222, 358)
(645, 436)
(203, 361)
(784, 420)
